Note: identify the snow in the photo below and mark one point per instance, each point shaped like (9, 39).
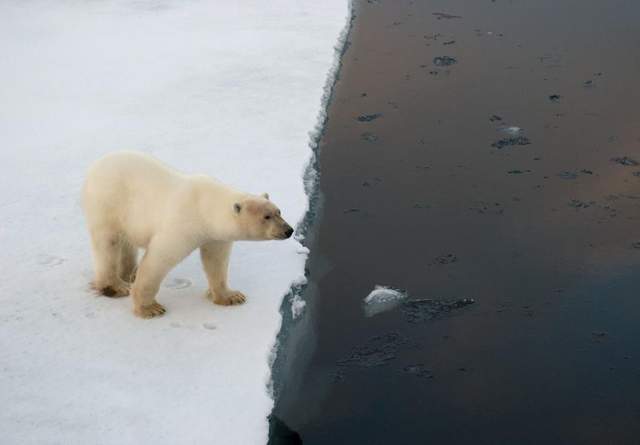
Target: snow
(382, 299)
(296, 302)
(227, 88)
(297, 306)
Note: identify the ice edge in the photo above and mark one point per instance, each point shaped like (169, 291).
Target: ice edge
(311, 178)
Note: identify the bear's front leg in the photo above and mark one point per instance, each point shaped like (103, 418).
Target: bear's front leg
(215, 260)
(158, 260)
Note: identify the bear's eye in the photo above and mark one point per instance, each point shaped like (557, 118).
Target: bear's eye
(267, 217)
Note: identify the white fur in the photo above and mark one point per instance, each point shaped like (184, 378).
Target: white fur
(131, 200)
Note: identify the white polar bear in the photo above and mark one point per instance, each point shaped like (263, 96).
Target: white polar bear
(131, 200)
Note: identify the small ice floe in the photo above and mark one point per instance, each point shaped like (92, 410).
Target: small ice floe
(511, 141)
(382, 299)
(568, 175)
(444, 15)
(297, 306)
(444, 61)
(368, 136)
(626, 161)
(555, 98)
(511, 131)
(368, 117)
(513, 134)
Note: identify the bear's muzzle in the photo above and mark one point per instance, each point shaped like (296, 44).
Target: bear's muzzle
(288, 231)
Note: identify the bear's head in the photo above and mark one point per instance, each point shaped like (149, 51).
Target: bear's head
(259, 219)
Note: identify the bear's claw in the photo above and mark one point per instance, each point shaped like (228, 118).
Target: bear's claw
(130, 277)
(228, 298)
(112, 291)
(150, 311)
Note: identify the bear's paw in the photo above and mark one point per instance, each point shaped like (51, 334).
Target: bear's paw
(228, 297)
(150, 310)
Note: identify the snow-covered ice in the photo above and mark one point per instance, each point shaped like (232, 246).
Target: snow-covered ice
(382, 299)
(227, 88)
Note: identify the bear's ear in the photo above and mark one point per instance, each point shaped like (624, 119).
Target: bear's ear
(265, 195)
(237, 207)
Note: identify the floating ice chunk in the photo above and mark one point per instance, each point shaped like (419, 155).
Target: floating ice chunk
(512, 131)
(444, 61)
(382, 299)
(299, 282)
(302, 250)
(511, 141)
(297, 303)
(297, 306)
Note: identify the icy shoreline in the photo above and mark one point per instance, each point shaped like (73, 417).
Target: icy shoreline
(294, 326)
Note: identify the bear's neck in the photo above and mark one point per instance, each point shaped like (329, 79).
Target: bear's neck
(216, 206)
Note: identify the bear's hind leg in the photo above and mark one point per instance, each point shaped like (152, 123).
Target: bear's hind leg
(128, 262)
(106, 252)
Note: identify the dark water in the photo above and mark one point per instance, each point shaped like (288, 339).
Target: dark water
(426, 188)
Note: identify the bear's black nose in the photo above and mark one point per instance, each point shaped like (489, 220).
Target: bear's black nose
(288, 232)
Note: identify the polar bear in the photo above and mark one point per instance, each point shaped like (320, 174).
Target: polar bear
(131, 200)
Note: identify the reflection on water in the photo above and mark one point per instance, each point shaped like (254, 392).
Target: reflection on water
(509, 177)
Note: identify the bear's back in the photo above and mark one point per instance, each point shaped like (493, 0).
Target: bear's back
(130, 190)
